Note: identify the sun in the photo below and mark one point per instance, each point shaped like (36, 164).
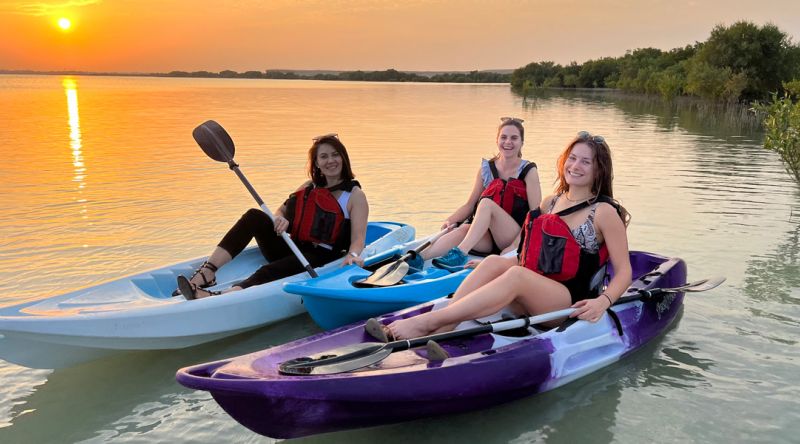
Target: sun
(64, 23)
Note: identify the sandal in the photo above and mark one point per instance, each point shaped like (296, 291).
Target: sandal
(206, 283)
(190, 290)
(377, 330)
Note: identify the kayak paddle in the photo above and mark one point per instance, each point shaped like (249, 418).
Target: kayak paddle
(394, 272)
(218, 145)
(356, 356)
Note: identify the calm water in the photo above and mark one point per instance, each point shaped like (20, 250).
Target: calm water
(101, 178)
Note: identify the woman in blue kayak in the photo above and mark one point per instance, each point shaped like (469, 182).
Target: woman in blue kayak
(505, 188)
(326, 216)
(549, 274)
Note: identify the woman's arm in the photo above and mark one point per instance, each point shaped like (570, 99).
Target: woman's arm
(465, 211)
(533, 188)
(611, 230)
(359, 213)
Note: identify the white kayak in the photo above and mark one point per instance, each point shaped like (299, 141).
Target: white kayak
(138, 312)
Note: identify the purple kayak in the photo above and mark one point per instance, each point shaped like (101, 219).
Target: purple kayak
(343, 379)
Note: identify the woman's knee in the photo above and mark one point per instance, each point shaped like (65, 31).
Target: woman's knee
(497, 264)
(487, 205)
(253, 213)
(518, 274)
(255, 217)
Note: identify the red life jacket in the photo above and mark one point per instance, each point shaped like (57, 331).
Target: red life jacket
(510, 195)
(315, 215)
(549, 248)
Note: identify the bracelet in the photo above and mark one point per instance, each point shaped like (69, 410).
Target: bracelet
(610, 303)
(352, 253)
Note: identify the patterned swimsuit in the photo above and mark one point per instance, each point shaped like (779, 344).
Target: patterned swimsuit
(584, 234)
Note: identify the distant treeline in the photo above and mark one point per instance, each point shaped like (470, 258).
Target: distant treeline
(742, 62)
(389, 75)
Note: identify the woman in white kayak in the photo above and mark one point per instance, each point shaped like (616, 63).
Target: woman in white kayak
(505, 188)
(326, 216)
(565, 243)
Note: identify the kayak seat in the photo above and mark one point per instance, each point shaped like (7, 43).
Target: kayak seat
(164, 282)
(148, 286)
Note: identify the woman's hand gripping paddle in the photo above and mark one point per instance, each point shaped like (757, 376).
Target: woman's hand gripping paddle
(218, 145)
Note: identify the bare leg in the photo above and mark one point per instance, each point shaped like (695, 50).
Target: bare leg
(446, 242)
(488, 270)
(534, 294)
(490, 222)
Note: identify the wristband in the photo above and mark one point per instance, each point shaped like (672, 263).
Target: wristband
(352, 254)
(610, 303)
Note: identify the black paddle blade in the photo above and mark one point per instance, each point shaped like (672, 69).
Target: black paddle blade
(705, 285)
(341, 360)
(215, 141)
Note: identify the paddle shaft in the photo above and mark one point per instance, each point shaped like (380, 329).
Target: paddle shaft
(219, 145)
(309, 269)
(372, 353)
(405, 344)
(515, 323)
(394, 272)
(423, 246)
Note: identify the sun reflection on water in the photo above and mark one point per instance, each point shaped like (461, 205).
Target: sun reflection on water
(71, 90)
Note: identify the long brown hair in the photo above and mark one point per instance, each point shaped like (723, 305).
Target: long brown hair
(603, 170)
(315, 173)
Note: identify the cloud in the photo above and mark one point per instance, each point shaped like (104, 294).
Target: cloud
(44, 8)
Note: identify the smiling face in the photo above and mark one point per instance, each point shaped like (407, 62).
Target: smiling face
(509, 141)
(579, 168)
(329, 161)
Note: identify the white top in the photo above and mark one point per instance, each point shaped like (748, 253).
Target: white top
(343, 199)
(486, 172)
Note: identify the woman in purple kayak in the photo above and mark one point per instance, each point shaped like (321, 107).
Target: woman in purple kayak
(549, 274)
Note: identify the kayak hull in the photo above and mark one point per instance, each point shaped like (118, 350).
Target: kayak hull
(138, 313)
(483, 370)
(333, 300)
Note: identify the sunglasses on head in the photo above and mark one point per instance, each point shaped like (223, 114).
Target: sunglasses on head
(586, 135)
(325, 136)
(511, 119)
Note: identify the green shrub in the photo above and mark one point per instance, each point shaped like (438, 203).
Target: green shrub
(782, 125)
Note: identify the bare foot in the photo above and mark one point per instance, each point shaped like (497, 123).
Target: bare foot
(409, 328)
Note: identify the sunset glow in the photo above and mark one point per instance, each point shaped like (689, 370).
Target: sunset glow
(413, 35)
(64, 23)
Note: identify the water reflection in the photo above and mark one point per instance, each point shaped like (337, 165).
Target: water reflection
(75, 144)
(772, 287)
(693, 116)
(120, 409)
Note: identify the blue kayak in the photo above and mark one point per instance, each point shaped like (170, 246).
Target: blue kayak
(333, 300)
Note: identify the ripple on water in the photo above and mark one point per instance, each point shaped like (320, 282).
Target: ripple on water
(699, 186)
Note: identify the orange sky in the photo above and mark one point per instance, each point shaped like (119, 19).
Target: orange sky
(190, 35)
